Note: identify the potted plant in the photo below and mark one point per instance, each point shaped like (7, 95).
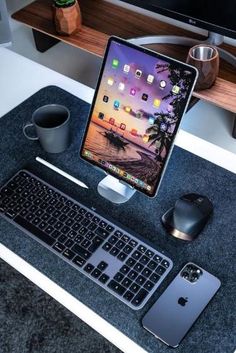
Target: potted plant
(67, 16)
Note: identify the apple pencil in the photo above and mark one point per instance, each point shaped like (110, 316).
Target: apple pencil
(61, 172)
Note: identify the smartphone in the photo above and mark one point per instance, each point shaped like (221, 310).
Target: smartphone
(175, 311)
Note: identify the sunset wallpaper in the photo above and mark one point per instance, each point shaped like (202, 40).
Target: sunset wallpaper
(137, 108)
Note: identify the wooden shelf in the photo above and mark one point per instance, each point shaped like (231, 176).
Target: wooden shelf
(102, 19)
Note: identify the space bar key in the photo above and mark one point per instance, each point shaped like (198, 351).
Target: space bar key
(34, 230)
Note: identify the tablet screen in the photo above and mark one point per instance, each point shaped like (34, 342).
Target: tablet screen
(139, 101)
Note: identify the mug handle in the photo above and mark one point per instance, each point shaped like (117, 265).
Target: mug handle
(25, 133)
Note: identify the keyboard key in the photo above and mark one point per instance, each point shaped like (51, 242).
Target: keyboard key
(157, 258)
(90, 235)
(86, 243)
(133, 243)
(152, 265)
(126, 282)
(128, 296)
(49, 229)
(83, 230)
(79, 261)
(128, 249)
(69, 243)
(36, 221)
(154, 277)
(103, 278)
(144, 260)
(130, 262)
(118, 277)
(136, 255)
(52, 220)
(96, 219)
(134, 287)
(45, 216)
(118, 233)
(114, 251)
(112, 240)
(122, 256)
(55, 234)
(124, 269)
(89, 215)
(160, 270)
(85, 222)
(58, 225)
(92, 226)
(69, 203)
(148, 285)
(78, 238)
(88, 268)
(116, 287)
(68, 254)
(132, 274)
(96, 242)
(101, 232)
(69, 222)
(146, 272)
(120, 244)
(140, 280)
(109, 228)
(165, 263)
(96, 273)
(76, 226)
(75, 207)
(125, 238)
(78, 218)
(71, 214)
(59, 247)
(138, 267)
(38, 233)
(139, 298)
(103, 224)
(107, 246)
(72, 234)
(142, 249)
(81, 251)
(149, 253)
(62, 238)
(102, 265)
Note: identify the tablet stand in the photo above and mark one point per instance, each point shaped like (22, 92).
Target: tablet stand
(115, 190)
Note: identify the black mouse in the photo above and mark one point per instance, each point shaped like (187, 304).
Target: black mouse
(188, 217)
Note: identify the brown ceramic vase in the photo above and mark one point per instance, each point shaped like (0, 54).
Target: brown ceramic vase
(67, 19)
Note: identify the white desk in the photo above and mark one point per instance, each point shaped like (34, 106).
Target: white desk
(19, 79)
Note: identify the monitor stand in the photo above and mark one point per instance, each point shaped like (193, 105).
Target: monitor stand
(115, 190)
(213, 38)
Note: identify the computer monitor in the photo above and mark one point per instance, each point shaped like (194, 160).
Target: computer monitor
(217, 17)
(138, 104)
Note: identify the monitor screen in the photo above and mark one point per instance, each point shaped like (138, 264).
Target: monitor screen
(214, 16)
(137, 107)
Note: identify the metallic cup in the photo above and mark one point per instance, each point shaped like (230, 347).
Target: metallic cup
(206, 59)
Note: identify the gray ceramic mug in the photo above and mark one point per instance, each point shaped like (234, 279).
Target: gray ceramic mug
(52, 127)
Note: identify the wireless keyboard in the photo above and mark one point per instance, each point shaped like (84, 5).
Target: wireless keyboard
(112, 257)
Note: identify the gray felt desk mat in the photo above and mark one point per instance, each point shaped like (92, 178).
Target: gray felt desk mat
(214, 331)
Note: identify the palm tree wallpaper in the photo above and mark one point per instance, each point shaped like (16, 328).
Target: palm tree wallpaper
(161, 132)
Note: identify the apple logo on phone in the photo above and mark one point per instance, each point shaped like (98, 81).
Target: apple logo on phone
(182, 301)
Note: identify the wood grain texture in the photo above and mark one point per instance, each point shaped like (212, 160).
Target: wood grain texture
(101, 19)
